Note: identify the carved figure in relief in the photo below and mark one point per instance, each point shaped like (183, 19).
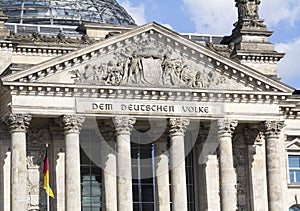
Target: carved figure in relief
(189, 76)
(149, 63)
(135, 70)
(114, 73)
(171, 70)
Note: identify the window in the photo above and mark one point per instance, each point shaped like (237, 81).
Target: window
(294, 168)
(189, 167)
(91, 174)
(143, 180)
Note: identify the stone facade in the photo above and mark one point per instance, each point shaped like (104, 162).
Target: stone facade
(220, 127)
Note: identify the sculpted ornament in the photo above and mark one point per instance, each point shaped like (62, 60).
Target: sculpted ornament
(19, 122)
(149, 64)
(177, 126)
(273, 128)
(226, 127)
(72, 124)
(247, 9)
(124, 124)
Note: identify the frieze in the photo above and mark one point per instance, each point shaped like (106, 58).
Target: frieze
(148, 63)
(60, 38)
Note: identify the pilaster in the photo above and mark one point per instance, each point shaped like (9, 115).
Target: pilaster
(257, 167)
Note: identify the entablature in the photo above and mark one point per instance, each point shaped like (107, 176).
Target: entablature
(159, 93)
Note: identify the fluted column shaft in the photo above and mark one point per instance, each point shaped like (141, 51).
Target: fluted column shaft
(162, 175)
(275, 194)
(18, 126)
(72, 126)
(123, 127)
(177, 128)
(227, 172)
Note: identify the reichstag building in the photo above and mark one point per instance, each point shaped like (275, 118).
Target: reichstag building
(142, 118)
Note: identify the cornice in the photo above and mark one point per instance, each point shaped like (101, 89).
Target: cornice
(144, 93)
(37, 49)
(290, 112)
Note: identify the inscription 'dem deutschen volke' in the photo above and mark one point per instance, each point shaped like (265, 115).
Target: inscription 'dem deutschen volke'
(161, 108)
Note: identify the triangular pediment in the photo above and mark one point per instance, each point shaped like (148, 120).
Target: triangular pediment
(148, 56)
(293, 145)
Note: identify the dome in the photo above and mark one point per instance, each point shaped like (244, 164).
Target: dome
(65, 12)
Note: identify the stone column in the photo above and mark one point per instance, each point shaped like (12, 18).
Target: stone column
(72, 126)
(227, 172)
(18, 126)
(162, 174)
(108, 155)
(177, 128)
(274, 179)
(124, 125)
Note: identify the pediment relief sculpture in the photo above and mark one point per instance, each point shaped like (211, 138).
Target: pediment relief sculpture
(150, 63)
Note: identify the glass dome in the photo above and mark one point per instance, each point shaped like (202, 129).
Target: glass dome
(65, 12)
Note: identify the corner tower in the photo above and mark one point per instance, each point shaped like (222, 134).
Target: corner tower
(250, 39)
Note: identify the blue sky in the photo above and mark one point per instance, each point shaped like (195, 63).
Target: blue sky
(217, 16)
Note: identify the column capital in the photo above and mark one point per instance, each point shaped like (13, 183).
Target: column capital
(226, 127)
(72, 124)
(18, 122)
(177, 126)
(273, 128)
(124, 124)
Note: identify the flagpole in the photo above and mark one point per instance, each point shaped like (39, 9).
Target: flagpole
(48, 201)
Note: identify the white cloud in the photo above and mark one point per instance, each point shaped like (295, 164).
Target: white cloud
(289, 66)
(136, 12)
(217, 16)
(275, 11)
(213, 17)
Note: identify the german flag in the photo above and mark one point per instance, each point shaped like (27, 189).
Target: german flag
(46, 176)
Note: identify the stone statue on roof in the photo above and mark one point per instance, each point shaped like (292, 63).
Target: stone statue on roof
(247, 9)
